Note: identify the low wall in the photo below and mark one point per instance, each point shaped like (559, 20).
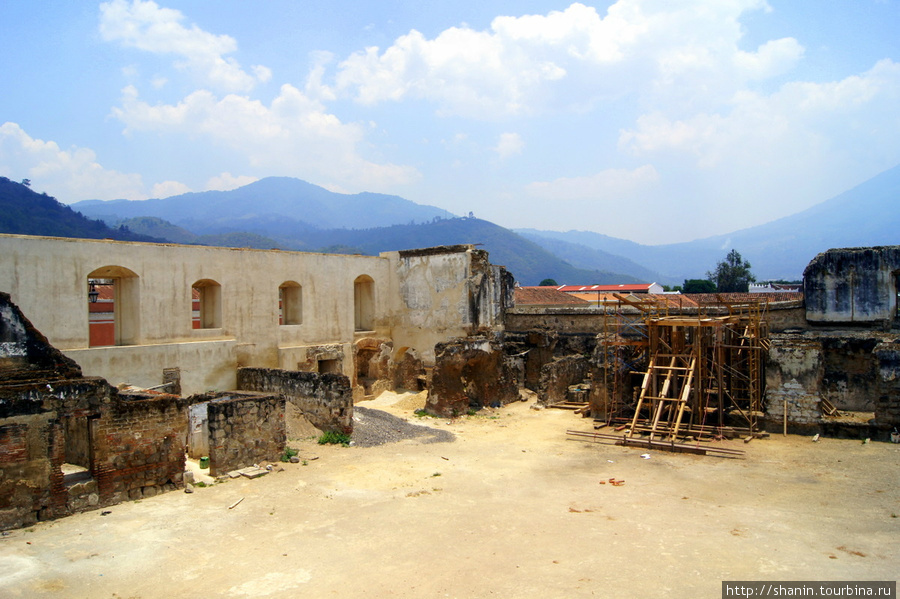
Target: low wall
(325, 399)
(244, 429)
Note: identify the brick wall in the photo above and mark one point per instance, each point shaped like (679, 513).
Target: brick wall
(139, 446)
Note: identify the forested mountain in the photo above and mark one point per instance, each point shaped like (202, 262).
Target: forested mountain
(274, 207)
(26, 212)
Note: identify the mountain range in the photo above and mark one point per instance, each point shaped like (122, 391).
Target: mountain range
(866, 215)
(280, 212)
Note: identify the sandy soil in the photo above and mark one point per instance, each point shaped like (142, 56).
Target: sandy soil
(511, 508)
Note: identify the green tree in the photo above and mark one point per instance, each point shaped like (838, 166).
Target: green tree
(698, 286)
(732, 274)
(549, 283)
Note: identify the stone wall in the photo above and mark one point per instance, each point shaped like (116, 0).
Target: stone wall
(325, 399)
(856, 371)
(558, 375)
(244, 429)
(853, 285)
(470, 373)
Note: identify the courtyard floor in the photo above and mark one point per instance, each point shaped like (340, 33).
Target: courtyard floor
(511, 508)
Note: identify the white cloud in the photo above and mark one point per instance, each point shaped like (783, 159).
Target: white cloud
(797, 120)
(610, 184)
(69, 175)
(169, 188)
(524, 65)
(293, 135)
(146, 26)
(509, 144)
(227, 182)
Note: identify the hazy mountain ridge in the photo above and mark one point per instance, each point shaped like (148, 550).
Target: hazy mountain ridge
(866, 215)
(281, 202)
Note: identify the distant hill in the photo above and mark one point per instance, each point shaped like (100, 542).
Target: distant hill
(528, 262)
(162, 229)
(276, 207)
(867, 215)
(26, 212)
(583, 256)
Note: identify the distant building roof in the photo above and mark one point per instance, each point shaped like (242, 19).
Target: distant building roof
(622, 288)
(545, 296)
(713, 298)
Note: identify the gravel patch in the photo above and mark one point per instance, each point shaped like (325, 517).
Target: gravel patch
(375, 427)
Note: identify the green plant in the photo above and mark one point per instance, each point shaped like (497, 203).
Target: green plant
(334, 438)
(305, 463)
(422, 413)
(288, 453)
(200, 484)
(472, 412)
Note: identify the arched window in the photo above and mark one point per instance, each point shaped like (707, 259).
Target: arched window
(113, 301)
(206, 300)
(363, 303)
(290, 303)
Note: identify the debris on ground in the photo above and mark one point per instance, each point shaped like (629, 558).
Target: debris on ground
(375, 427)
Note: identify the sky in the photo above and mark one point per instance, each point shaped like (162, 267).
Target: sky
(648, 120)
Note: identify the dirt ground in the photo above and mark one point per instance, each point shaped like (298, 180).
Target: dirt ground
(511, 508)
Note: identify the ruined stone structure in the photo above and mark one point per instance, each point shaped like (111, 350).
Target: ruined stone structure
(855, 286)
(276, 328)
(843, 359)
(261, 309)
(70, 442)
(326, 400)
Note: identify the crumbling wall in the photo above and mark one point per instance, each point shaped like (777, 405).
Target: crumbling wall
(887, 399)
(325, 399)
(122, 445)
(139, 446)
(558, 375)
(470, 372)
(244, 429)
(853, 286)
(793, 380)
(856, 371)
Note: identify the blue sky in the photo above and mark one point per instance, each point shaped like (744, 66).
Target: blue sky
(649, 120)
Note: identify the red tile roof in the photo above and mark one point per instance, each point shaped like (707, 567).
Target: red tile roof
(624, 288)
(545, 296)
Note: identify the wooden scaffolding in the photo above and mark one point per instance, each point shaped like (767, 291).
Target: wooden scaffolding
(674, 373)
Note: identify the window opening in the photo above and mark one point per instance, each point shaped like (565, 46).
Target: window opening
(290, 303)
(364, 303)
(206, 298)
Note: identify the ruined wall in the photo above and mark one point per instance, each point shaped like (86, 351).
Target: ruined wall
(51, 418)
(244, 429)
(446, 292)
(471, 372)
(853, 286)
(325, 399)
(856, 371)
(793, 378)
(557, 375)
(139, 446)
(416, 298)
